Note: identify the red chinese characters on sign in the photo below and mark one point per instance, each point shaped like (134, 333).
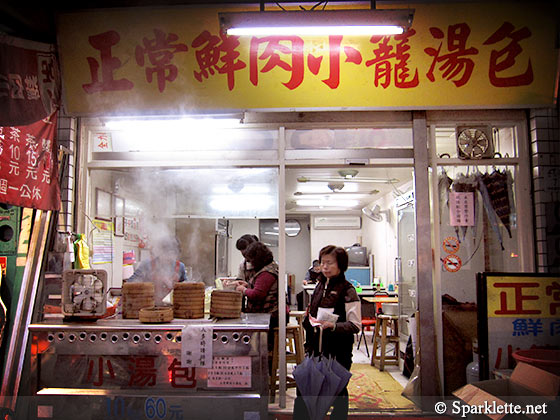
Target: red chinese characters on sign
(504, 59)
(452, 59)
(384, 55)
(273, 47)
(28, 168)
(160, 50)
(554, 291)
(211, 51)
(108, 64)
(181, 377)
(335, 47)
(454, 64)
(29, 81)
(143, 371)
(517, 308)
(96, 378)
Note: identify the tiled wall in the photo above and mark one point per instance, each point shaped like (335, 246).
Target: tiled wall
(545, 149)
(67, 140)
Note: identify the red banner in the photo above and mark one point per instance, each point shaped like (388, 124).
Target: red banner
(29, 165)
(29, 81)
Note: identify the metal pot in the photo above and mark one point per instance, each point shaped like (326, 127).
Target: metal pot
(390, 308)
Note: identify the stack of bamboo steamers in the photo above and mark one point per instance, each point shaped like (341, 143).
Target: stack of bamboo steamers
(136, 296)
(188, 303)
(225, 304)
(188, 300)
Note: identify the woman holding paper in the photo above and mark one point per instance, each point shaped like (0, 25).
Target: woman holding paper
(335, 309)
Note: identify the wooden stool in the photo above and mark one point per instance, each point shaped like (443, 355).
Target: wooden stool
(381, 339)
(294, 347)
(299, 316)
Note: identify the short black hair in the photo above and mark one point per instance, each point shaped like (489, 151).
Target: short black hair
(259, 255)
(315, 262)
(339, 253)
(244, 241)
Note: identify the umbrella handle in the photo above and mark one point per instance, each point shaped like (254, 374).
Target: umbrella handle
(320, 340)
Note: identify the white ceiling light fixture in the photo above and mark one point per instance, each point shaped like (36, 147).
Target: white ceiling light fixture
(317, 22)
(346, 193)
(327, 203)
(364, 180)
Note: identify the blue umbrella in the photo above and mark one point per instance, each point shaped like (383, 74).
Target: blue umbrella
(320, 380)
(309, 380)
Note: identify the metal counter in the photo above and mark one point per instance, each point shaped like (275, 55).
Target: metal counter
(123, 369)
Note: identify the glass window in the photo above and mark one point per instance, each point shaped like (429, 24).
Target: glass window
(476, 141)
(478, 225)
(358, 138)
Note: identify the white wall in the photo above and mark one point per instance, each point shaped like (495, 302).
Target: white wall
(380, 238)
(238, 228)
(338, 237)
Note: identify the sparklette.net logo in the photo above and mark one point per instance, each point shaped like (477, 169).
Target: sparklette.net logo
(490, 408)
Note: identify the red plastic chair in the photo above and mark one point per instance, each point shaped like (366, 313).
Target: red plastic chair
(368, 320)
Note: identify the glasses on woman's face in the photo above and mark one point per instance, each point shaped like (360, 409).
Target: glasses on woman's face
(328, 262)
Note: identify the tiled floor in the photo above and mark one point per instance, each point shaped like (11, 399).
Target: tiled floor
(360, 356)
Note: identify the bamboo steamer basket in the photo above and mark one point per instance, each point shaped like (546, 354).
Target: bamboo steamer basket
(156, 314)
(225, 304)
(188, 300)
(136, 296)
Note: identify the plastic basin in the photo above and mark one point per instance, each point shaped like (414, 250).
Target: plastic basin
(544, 359)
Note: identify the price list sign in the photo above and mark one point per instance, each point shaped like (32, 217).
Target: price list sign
(28, 165)
(196, 346)
(230, 372)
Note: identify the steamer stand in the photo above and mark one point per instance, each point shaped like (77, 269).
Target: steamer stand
(122, 369)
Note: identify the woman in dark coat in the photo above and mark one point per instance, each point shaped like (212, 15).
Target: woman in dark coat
(262, 289)
(334, 293)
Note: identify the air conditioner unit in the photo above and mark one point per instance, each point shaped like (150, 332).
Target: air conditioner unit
(337, 222)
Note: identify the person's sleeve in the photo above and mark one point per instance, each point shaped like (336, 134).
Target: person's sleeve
(263, 283)
(183, 273)
(140, 273)
(353, 307)
(307, 275)
(241, 272)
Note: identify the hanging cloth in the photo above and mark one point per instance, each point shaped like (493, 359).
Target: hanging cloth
(444, 182)
(497, 185)
(492, 217)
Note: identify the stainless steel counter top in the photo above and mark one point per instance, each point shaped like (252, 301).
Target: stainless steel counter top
(247, 321)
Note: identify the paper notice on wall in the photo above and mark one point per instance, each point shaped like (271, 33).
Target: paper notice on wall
(196, 346)
(230, 372)
(102, 242)
(461, 209)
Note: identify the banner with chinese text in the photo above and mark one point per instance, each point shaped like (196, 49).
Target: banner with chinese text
(29, 165)
(522, 311)
(29, 81)
(175, 60)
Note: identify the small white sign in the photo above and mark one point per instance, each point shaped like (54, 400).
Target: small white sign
(461, 209)
(230, 372)
(102, 142)
(196, 346)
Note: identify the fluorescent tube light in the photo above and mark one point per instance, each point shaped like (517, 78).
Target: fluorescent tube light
(322, 22)
(327, 203)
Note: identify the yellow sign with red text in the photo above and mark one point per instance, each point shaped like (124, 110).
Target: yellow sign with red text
(524, 297)
(175, 60)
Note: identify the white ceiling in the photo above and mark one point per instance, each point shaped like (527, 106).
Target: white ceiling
(371, 191)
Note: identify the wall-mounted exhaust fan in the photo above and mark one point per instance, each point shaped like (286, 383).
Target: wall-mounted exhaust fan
(474, 142)
(376, 214)
(84, 293)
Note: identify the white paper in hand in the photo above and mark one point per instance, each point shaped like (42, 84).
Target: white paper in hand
(327, 314)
